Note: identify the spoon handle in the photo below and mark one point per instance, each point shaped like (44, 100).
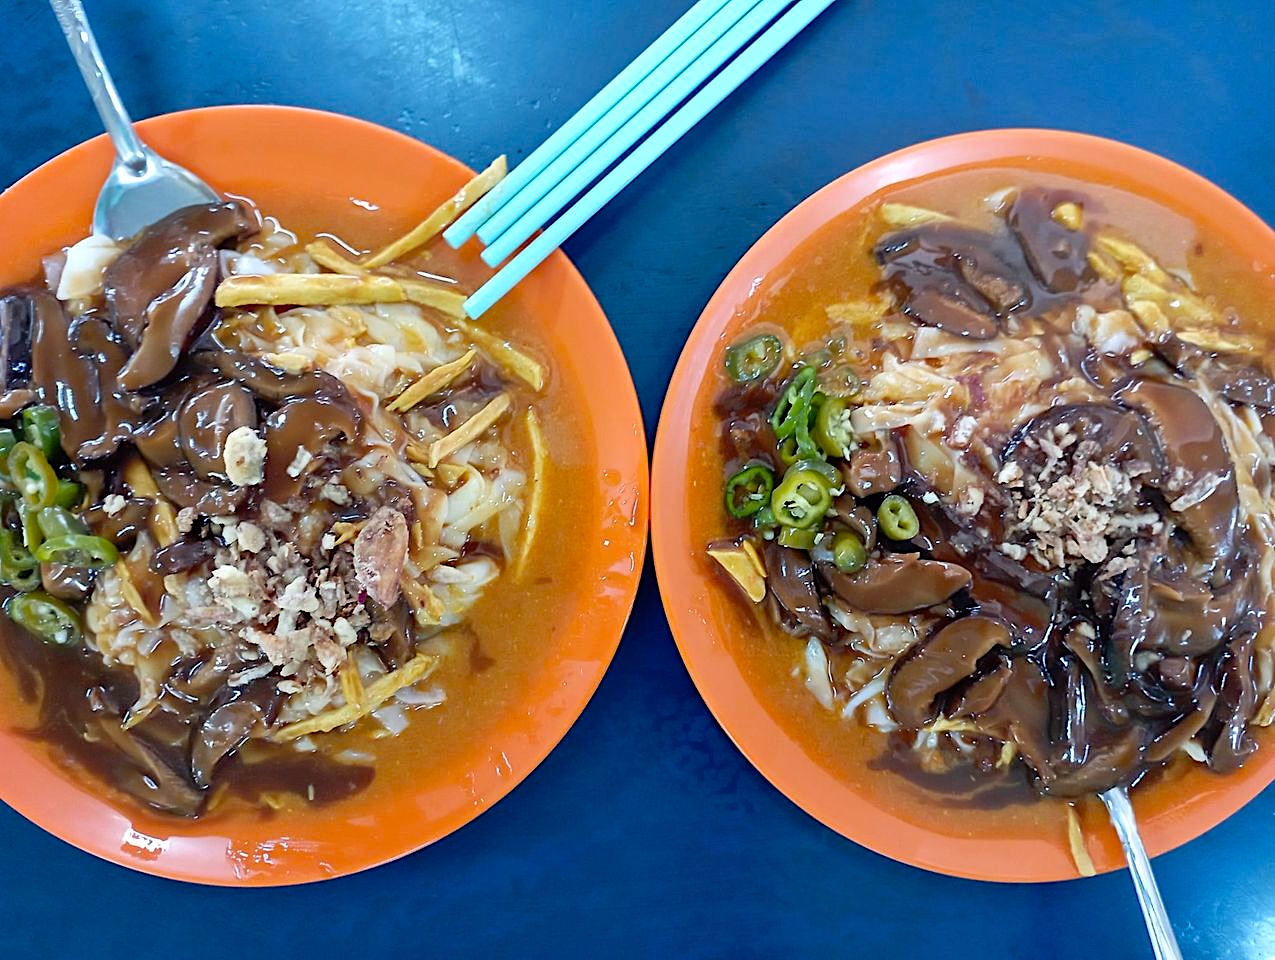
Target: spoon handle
(79, 36)
(1159, 929)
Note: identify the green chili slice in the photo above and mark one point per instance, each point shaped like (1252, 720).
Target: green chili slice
(59, 522)
(69, 494)
(49, 618)
(29, 517)
(754, 358)
(833, 432)
(764, 518)
(78, 550)
(793, 406)
(802, 498)
(7, 439)
(848, 552)
(797, 539)
(749, 490)
(787, 451)
(897, 518)
(807, 449)
(823, 468)
(18, 566)
(840, 380)
(41, 429)
(30, 472)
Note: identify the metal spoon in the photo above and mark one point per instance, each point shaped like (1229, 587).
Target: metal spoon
(1163, 942)
(142, 186)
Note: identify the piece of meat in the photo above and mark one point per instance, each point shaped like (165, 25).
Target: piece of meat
(380, 550)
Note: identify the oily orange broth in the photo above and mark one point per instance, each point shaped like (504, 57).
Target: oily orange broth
(835, 264)
(515, 623)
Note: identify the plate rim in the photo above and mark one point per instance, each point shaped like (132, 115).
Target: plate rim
(47, 819)
(668, 495)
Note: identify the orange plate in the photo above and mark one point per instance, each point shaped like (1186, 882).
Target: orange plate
(702, 615)
(304, 163)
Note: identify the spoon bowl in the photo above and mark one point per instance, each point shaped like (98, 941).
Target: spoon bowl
(132, 200)
(142, 186)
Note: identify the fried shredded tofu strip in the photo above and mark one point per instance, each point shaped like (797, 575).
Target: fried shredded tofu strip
(436, 295)
(323, 254)
(162, 523)
(906, 215)
(374, 696)
(468, 431)
(431, 382)
(442, 217)
(741, 562)
(439, 296)
(515, 362)
(308, 289)
(163, 519)
(424, 602)
(539, 461)
(352, 684)
(345, 531)
(1076, 840)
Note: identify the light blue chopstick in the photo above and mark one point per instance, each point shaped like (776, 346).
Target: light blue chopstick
(655, 87)
(713, 93)
(601, 103)
(567, 183)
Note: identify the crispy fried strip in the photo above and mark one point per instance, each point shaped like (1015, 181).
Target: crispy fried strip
(345, 531)
(470, 430)
(163, 519)
(352, 684)
(308, 289)
(432, 382)
(424, 602)
(1076, 841)
(441, 218)
(322, 253)
(417, 454)
(906, 215)
(440, 296)
(132, 595)
(135, 717)
(375, 694)
(539, 461)
(514, 361)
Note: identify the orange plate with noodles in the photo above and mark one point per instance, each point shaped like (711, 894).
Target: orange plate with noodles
(797, 646)
(501, 466)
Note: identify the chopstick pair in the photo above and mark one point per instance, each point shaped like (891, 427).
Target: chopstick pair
(629, 107)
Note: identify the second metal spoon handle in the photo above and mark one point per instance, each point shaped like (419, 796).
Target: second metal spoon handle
(1159, 929)
(132, 152)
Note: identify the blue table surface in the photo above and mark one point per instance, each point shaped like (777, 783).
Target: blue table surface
(646, 833)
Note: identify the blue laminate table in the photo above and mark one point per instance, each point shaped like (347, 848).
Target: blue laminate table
(646, 834)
